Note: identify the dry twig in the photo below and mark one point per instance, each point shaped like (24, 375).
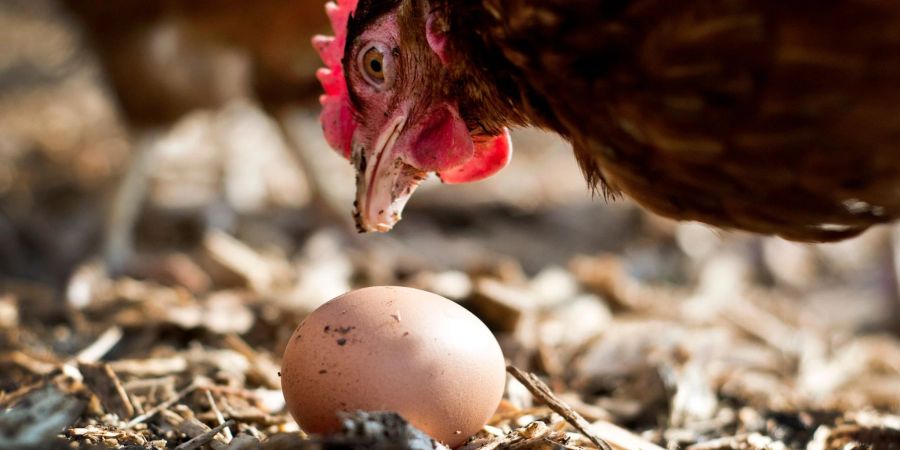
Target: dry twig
(164, 405)
(104, 383)
(542, 392)
(219, 417)
(204, 438)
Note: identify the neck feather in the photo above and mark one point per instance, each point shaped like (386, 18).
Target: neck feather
(492, 91)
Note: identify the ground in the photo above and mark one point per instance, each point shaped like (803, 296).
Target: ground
(151, 272)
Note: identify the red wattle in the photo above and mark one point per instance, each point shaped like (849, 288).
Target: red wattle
(442, 141)
(491, 155)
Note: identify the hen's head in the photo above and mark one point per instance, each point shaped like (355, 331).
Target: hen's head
(391, 106)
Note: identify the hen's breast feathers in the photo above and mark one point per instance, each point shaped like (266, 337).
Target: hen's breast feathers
(775, 117)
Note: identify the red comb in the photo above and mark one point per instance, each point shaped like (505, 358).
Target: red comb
(337, 116)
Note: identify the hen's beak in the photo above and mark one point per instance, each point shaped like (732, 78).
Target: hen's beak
(384, 183)
(388, 172)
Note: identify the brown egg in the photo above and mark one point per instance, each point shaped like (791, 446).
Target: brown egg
(394, 349)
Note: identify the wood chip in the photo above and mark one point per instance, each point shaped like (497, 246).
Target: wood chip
(858, 436)
(9, 311)
(262, 367)
(502, 306)
(238, 259)
(101, 346)
(620, 438)
(244, 442)
(150, 367)
(751, 441)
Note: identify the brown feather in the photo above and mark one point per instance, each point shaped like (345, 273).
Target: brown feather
(769, 116)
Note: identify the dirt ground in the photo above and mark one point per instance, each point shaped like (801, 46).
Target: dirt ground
(169, 213)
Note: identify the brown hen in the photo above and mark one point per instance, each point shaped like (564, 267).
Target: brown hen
(778, 117)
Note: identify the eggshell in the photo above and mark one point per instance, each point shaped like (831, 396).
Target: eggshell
(394, 349)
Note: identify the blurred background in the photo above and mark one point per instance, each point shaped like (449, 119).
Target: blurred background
(164, 186)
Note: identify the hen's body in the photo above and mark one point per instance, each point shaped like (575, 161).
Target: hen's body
(774, 116)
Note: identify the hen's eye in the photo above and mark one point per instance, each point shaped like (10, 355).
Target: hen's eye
(373, 65)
